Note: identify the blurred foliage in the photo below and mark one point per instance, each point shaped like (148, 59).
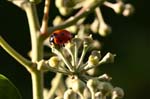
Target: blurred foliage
(7, 89)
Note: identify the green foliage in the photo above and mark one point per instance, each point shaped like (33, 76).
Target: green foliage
(7, 89)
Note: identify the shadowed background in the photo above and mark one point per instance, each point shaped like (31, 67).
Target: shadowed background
(130, 40)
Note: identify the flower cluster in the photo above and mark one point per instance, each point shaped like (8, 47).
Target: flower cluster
(80, 81)
(98, 25)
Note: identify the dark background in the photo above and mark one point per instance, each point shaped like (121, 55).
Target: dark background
(130, 40)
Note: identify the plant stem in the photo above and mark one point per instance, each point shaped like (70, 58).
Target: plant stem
(26, 63)
(44, 25)
(37, 49)
(99, 15)
(85, 48)
(34, 30)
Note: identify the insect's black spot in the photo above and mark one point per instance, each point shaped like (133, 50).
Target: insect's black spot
(60, 40)
(62, 34)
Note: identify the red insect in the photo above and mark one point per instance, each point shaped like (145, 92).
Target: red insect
(60, 37)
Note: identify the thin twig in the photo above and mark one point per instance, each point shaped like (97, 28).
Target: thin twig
(45, 17)
(26, 63)
(99, 15)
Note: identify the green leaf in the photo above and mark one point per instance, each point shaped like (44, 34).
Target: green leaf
(7, 89)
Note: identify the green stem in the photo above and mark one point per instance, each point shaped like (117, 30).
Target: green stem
(37, 49)
(26, 63)
(37, 84)
(76, 54)
(85, 48)
(99, 15)
(34, 29)
(72, 56)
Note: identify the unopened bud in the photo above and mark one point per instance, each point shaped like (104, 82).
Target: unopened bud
(59, 3)
(94, 26)
(117, 93)
(53, 61)
(96, 53)
(129, 10)
(57, 20)
(118, 7)
(105, 87)
(93, 60)
(92, 71)
(104, 29)
(72, 29)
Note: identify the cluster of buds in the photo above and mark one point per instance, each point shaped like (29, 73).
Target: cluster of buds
(98, 25)
(70, 61)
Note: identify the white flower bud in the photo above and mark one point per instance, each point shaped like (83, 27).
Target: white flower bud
(118, 7)
(129, 9)
(57, 20)
(96, 53)
(92, 71)
(104, 29)
(105, 87)
(94, 26)
(72, 29)
(59, 3)
(117, 93)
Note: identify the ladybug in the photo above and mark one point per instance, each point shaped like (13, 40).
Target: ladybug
(60, 37)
